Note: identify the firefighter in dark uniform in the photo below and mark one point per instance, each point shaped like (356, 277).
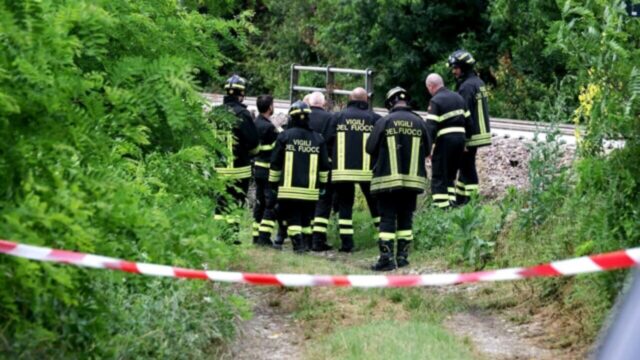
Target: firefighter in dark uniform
(398, 146)
(299, 170)
(473, 91)
(351, 164)
(242, 143)
(268, 134)
(320, 121)
(447, 124)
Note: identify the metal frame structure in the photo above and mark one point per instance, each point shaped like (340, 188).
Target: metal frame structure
(329, 89)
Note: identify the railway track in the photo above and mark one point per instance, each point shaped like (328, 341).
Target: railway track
(507, 128)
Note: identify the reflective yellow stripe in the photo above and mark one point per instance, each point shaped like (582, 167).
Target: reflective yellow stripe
(446, 116)
(341, 150)
(454, 129)
(398, 180)
(324, 176)
(460, 184)
(345, 222)
(440, 196)
(346, 231)
(268, 223)
(415, 151)
(387, 236)
(307, 230)
(294, 230)
(288, 168)
(451, 190)
(366, 159)
(256, 225)
(351, 175)
(297, 193)
(377, 219)
(472, 187)
(274, 175)
(267, 147)
(441, 204)
(393, 156)
(319, 220)
(261, 164)
(230, 149)
(219, 217)
(235, 173)
(319, 229)
(313, 170)
(483, 126)
(467, 113)
(265, 229)
(403, 233)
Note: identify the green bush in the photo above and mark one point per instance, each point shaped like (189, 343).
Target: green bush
(107, 150)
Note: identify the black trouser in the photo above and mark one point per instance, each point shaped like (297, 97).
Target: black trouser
(297, 214)
(445, 163)
(272, 213)
(467, 183)
(396, 214)
(322, 213)
(346, 197)
(238, 190)
(260, 205)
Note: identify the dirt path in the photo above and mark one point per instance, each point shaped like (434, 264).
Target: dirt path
(271, 333)
(495, 337)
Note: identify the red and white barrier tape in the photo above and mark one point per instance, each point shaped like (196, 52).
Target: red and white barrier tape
(586, 264)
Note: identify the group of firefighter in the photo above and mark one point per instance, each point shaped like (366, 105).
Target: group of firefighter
(316, 160)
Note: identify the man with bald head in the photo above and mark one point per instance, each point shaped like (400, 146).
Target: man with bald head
(448, 124)
(351, 165)
(320, 121)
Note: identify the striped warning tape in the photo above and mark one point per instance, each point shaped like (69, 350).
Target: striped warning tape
(586, 264)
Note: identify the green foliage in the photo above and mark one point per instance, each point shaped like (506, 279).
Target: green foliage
(108, 151)
(401, 41)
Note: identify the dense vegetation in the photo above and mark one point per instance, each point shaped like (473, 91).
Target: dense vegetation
(106, 148)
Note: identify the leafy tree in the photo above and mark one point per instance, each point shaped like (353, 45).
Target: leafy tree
(106, 150)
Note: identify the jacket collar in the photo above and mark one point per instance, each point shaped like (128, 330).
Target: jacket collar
(363, 105)
(232, 100)
(401, 108)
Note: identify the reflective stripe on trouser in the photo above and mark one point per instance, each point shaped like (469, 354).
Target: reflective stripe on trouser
(467, 183)
(322, 213)
(396, 212)
(463, 189)
(298, 215)
(345, 192)
(255, 229)
(259, 205)
(445, 164)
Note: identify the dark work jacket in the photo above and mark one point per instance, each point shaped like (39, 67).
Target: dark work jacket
(399, 145)
(299, 163)
(474, 92)
(348, 136)
(320, 120)
(447, 114)
(242, 141)
(267, 134)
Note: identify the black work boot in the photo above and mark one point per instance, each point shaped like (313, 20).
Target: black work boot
(320, 243)
(402, 256)
(281, 235)
(347, 243)
(386, 261)
(298, 244)
(308, 242)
